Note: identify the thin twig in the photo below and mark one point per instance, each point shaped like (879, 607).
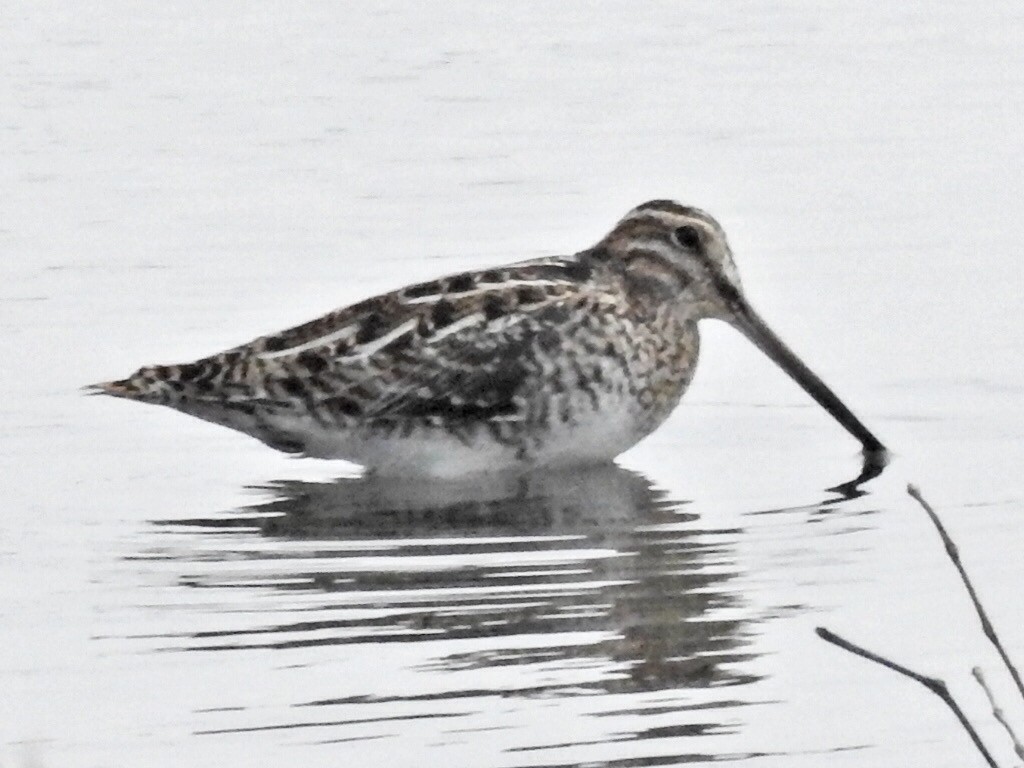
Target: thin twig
(936, 686)
(954, 555)
(997, 712)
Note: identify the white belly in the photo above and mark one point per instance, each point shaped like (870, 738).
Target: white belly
(592, 438)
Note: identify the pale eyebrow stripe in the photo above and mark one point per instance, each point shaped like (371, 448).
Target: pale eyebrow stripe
(662, 217)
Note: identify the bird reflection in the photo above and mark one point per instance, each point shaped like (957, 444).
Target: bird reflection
(595, 567)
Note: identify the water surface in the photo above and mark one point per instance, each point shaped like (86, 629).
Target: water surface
(178, 181)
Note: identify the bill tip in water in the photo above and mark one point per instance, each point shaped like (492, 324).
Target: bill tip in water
(876, 457)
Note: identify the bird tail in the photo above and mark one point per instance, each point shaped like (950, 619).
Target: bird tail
(152, 384)
(199, 389)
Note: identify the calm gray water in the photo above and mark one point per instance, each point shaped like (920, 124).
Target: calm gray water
(178, 179)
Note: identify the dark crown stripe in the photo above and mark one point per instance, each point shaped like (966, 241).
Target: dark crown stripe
(671, 206)
(667, 206)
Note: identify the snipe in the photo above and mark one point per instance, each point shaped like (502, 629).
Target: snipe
(553, 361)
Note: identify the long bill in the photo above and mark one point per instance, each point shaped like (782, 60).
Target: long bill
(754, 328)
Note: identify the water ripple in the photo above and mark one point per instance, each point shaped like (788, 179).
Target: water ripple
(582, 583)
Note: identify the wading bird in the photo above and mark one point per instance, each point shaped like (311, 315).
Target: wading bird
(550, 362)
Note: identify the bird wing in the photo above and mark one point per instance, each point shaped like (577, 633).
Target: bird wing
(469, 346)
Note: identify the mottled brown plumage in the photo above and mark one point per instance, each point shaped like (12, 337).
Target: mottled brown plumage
(551, 361)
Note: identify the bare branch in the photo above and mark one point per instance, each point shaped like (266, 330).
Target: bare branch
(936, 686)
(997, 712)
(954, 555)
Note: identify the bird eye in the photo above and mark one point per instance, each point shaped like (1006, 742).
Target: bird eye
(688, 236)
